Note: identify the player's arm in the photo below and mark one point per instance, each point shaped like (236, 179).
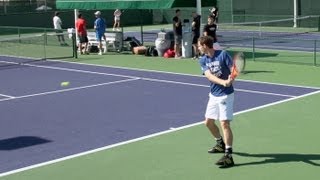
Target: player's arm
(216, 80)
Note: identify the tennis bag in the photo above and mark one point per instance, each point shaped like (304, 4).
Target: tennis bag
(133, 42)
(151, 51)
(93, 49)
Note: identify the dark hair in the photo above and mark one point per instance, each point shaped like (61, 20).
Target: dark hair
(177, 10)
(207, 40)
(56, 13)
(79, 15)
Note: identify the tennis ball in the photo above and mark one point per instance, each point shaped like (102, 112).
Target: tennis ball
(66, 83)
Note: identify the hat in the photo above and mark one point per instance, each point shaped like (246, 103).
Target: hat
(97, 13)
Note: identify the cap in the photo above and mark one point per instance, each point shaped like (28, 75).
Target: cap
(97, 13)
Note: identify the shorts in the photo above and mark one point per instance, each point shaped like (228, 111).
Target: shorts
(195, 39)
(83, 38)
(220, 107)
(117, 19)
(99, 36)
(177, 39)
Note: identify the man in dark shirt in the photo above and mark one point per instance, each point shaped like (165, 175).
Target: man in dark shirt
(210, 29)
(177, 30)
(196, 33)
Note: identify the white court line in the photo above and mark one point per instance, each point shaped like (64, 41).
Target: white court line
(192, 75)
(145, 137)
(149, 79)
(200, 85)
(69, 89)
(7, 96)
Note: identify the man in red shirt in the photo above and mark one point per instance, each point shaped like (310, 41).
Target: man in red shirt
(82, 34)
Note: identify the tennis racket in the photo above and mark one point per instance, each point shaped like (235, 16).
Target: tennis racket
(239, 63)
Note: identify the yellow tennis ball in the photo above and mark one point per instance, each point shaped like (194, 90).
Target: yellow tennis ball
(66, 83)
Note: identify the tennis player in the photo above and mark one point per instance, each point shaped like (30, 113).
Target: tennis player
(100, 27)
(216, 66)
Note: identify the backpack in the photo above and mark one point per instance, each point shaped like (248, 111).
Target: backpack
(151, 51)
(133, 42)
(93, 49)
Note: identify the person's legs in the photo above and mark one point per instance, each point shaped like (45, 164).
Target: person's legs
(114, 24)
(177, 46)
(212, 113)
(99, 38)
(225, 116)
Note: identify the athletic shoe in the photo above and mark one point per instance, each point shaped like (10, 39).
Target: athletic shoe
(217, 149)
(226, 161)
(100, 53)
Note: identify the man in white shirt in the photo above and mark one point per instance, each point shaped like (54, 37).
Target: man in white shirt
(57, 23)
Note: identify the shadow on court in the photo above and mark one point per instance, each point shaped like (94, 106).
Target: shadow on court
(21, 142)
(257, 71)
(280, 158)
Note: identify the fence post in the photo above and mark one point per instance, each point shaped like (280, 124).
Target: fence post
(315, 53)
(253, 49)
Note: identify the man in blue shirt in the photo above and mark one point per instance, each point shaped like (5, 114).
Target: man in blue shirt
(216, 66)
(100, 27)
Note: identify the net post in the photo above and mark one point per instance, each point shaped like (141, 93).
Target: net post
(44, 43)
(74, 45)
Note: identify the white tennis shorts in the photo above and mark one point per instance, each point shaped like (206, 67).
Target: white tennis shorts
(220, 108)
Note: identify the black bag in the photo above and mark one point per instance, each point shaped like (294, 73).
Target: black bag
(151, 51)
(93, 49)
(133, 42)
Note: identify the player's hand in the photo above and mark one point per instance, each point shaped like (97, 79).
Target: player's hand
(228, 82)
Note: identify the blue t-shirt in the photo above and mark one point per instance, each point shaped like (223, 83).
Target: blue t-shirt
(219, 65)
(100, 26)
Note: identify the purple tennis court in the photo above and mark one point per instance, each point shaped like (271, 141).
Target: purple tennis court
(42, 121)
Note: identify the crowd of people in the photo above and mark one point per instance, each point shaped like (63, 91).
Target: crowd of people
(81, 28)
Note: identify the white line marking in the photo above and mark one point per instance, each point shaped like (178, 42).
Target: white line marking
(192, 75)
(69, 89)
(200, 85)
(7, 96)
(145, 137)
(134, 77)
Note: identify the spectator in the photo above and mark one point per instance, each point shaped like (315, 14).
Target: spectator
(81, 26)
(177, 31)
(116, 26)
(57, 24)
(195, 33)
(210, 29)
(215, 12)
(100, 27)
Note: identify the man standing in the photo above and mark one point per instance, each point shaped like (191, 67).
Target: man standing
(195, 33)
(57, 24)
(81, 26)
(210, 29)
(216, 66)
(100, 27)
(177, 31)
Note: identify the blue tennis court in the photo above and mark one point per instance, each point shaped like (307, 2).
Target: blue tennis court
(104, 107)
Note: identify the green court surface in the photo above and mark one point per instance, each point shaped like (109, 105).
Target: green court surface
(275, 142)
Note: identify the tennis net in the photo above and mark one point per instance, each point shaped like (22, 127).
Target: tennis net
(273, 28)
(25, 48)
